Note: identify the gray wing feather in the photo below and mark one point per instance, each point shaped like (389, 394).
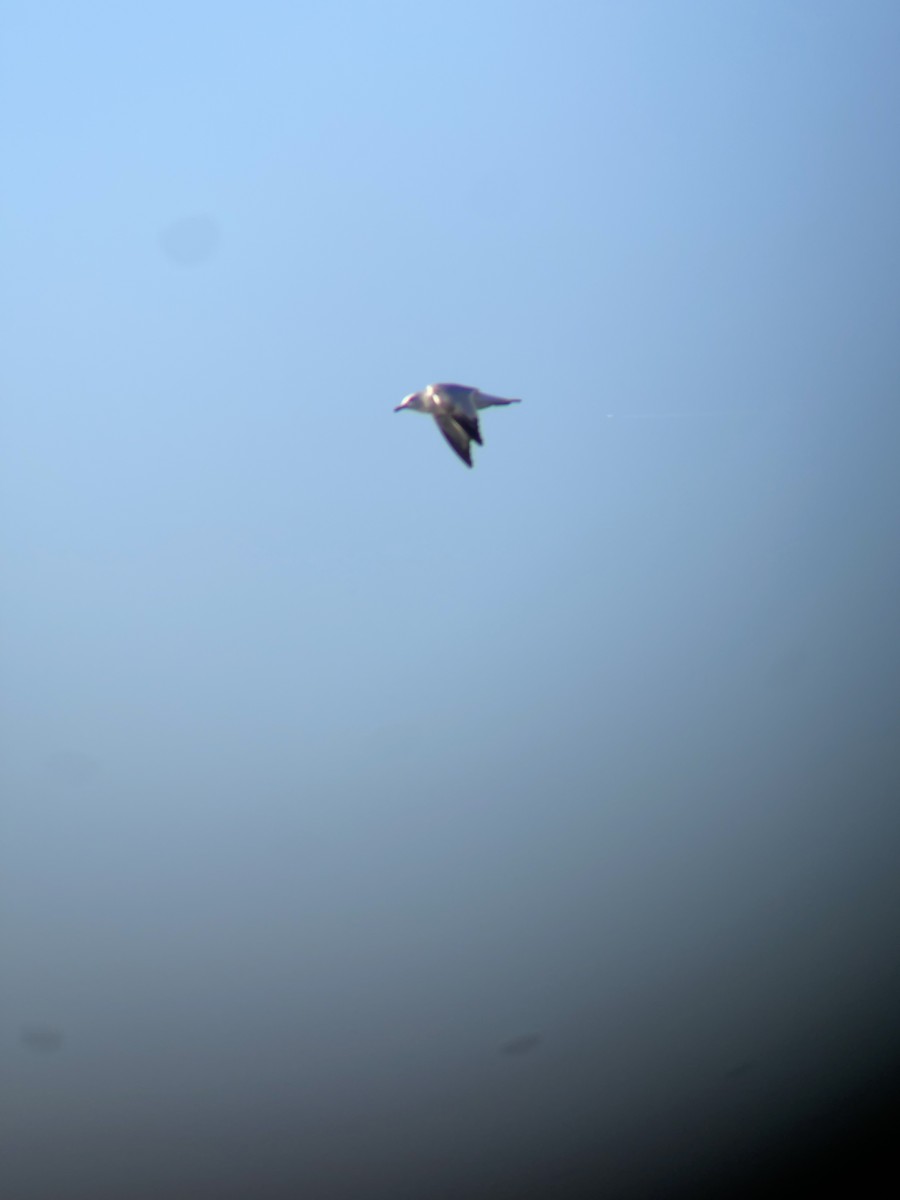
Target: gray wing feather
(456, 436)
(469, 425)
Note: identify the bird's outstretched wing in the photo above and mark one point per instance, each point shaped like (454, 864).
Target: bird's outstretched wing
(458, 437)
(468, 423)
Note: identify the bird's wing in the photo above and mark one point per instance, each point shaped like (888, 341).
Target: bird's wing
(458, 402)
(483, 400)
(468, 422)
(456, 435)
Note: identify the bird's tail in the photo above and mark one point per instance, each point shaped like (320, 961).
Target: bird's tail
(483, 400)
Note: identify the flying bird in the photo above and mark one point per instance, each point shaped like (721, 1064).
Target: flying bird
(455, 408)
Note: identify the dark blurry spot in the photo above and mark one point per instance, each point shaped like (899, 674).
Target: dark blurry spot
(42, 1039)
(73, 769)
(191, 241)
(739, 1070)
(523, 1044)
(788, 667)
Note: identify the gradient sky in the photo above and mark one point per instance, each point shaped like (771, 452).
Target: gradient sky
(330, 768)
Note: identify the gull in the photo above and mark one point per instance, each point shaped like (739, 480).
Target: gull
(455, 408)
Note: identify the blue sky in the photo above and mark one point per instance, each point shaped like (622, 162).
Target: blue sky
(380, 760)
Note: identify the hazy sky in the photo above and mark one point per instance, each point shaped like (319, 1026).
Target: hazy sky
(329, 767)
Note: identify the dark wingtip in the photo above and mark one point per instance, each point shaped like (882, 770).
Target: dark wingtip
(470, 425)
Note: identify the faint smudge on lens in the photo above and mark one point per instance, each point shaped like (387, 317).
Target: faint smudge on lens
(42, 1039)
(523, 1044)
(190, 241)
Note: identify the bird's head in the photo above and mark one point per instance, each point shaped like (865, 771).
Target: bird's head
(415, 401)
